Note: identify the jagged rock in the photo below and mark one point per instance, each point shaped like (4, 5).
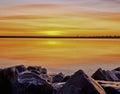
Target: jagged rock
(58, 78)
(105, 75)
(80, 83)
(117, 69)
(30, 83)
(110, 87)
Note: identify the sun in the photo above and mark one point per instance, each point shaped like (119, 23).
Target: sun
(52, 33)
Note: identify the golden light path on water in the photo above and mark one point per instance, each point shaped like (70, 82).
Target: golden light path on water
(65, 55)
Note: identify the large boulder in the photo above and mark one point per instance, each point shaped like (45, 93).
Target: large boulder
(80, 83)
(110, 87)
(30, 83)
(105, 75)
(58, 78)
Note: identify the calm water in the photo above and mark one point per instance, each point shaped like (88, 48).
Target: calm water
(57, 55)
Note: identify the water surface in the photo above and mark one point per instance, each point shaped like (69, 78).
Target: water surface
(67, 55)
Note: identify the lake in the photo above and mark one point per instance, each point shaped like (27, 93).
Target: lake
(61, 55)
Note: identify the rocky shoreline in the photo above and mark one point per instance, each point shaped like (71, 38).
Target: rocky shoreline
(36, 80)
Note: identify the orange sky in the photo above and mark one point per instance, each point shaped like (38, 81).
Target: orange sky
(58, 20)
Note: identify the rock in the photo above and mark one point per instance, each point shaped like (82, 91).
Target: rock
(58, 78)
(46, 77)
(6, 76)
(66, 78)
(36, 72)
(105, 75)
(117, 73)
(30, 83)
(110, 87)
(20, 68)
(34, 68)
(43, 70)
(58, 86)
(80, 83)
(37, 69)
(117, 69)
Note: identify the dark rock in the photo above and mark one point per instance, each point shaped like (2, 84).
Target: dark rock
(37, 69)
(66, 78)
(6, 76)
(110, 87)
(43, 70)
(80, 83)
(36, 72)
(46, 77)
(30, 83)
(117, 73)
(34, 68)
(105, 75)
(58, 78)
(20, 68)
(117, 69)
(57, 86)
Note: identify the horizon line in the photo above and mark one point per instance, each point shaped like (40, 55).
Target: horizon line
(63, 37)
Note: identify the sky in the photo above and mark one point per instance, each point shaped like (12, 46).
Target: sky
(60, 17)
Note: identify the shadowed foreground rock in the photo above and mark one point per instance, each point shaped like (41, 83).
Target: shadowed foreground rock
(110, 87)
(80, 83)
(6, 77)
(35, 80)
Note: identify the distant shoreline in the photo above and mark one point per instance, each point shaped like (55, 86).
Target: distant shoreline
(62, 37)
